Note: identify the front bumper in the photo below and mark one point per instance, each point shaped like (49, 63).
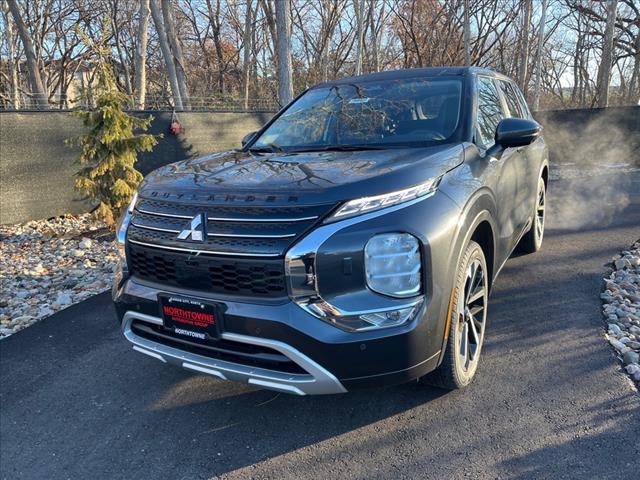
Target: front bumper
(330, 360)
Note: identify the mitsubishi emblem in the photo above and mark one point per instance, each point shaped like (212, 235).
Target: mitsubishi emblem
(195, 231)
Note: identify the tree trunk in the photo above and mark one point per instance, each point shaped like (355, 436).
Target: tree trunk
(214, 21)
(635, 76)
(283, 28)
(246, 57)
(524, 48)
(604, 71)
(176, 48)
(467, 35)
(358, 6)
(536, 87)
(375, 50)
(13, 67)
(35, 78)
(167, 55)
(141, 55)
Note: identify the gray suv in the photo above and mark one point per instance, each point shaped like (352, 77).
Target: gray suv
(351, 242)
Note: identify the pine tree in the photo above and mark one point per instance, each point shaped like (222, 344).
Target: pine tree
(110, 148)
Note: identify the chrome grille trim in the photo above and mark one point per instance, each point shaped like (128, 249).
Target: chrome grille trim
(203, 252)
(241, 235)
(157, 229)
(262, 220)
(229, 219)
(162, 214)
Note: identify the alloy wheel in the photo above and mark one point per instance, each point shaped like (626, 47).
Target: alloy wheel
(540, 212)
(472, 315)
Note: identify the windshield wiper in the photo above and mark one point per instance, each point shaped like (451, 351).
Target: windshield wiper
(338, 148)
(268, 148)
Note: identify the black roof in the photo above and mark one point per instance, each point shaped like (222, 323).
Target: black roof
(416, 72)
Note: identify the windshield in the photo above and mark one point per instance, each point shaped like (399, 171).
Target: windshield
(373, 114)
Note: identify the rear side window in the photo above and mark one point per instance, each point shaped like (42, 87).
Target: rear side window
(513, 102)
(489, 112)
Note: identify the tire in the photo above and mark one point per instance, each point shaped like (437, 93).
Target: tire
(467, 322)
(532, 240)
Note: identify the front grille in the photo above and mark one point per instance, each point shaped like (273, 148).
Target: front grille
(241, 252)
(237, 276)
(222, 349)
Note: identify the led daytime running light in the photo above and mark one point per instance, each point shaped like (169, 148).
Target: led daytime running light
(367, 204)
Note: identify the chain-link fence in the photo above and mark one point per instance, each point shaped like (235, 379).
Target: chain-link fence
(215, 102)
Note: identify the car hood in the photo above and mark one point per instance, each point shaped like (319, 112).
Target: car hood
(304, 178)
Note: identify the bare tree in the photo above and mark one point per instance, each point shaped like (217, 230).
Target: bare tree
(467, 34)
(604, 71)
(358, 6)
(536, 87)
(166, 53)
(523, 65)
(13, 67)
(247, 49)
(176, 49)
(140, 83)
(283, 26)
(35, 79)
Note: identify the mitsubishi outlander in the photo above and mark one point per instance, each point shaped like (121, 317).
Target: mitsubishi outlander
(351, 242)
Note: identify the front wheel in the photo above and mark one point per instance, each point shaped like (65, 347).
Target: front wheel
(466, 323)
(532, 240)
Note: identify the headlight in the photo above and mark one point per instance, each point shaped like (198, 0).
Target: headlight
(368, 204)
(393, 265)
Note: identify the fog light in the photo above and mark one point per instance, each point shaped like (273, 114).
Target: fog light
(392, 318)
(393, 265)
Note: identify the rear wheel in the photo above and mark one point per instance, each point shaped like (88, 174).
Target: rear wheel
(532, 241)
(467, 322)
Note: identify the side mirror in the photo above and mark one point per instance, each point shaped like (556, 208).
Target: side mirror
(248, 137)
(514, 132)
(517, 132)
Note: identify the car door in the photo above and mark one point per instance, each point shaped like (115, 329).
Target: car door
(506, 169)
(528, 165)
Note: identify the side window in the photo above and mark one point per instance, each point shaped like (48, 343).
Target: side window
(513, 103)
(489, 112)
(522, 102)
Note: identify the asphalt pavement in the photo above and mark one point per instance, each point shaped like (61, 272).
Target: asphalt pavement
(549, 400)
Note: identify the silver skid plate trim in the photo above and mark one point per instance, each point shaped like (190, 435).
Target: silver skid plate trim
(317, 380)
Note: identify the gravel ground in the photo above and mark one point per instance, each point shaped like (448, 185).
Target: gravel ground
(48, 265)
(621, 308)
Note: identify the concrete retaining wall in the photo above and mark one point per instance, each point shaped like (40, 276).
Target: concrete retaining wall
(37, 169)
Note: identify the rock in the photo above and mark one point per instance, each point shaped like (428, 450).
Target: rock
(85, 243)
(63, 299)
(633, 344)
(614, 329)
(78, 253)
(616, 344)
(633, 370)
(22, 319)
(622, 263)
(635, 330)
(631, 357)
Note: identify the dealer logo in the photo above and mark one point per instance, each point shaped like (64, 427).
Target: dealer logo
(195, 230)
